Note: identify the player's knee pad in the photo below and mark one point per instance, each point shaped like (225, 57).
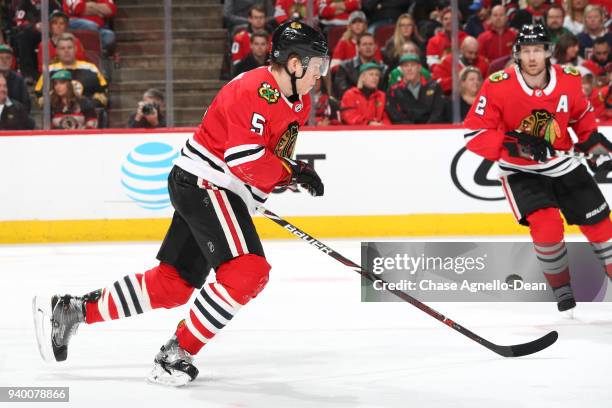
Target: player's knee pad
(546, 225)
(244, 277)
(600, 232)
(165, 287)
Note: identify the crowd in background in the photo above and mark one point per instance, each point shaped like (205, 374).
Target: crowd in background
(391, 61)
(81, 51)
(80, 46)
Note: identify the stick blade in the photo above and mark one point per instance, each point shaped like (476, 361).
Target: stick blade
(531, 347)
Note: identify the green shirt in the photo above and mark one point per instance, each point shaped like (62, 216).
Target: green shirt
(396, 75)
(554, 37)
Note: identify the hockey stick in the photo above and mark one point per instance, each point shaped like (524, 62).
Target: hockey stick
(516, 350)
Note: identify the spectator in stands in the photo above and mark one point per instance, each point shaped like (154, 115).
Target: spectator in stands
(17, 89)
(567, 51)
(405, 31)
(601, 57)
(429, 17)
(86, 78)
(414, 99)
(93, 15)
(58, 23)
(337, 12)
(258, 55)
(553, 21)
(478, 22)
(347, 47)
(497, 41)
(364, 104)
(532, 14)
(384, 12)
(286, 9)
(469, 56)
(604, 94)
(513, 5)
(597, 94)
(150, 111)
(327, 108)
(440, 44)
(594, 18)
(241, 45)
(347, 74)
(236, 13)
(574, 19)
(27, 35)
(470, 80)
(588, 84)
(68, 110)
(396, 73)
(13, 115)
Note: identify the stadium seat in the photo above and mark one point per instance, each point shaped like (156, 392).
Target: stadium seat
(333, 36)
(382, 35)
(91, 43)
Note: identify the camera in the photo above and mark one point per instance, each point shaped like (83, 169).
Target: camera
(149, 108)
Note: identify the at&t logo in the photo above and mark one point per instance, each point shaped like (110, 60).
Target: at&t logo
(144, 174)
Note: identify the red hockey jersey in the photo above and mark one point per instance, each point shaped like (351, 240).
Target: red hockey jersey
(346, 50)
(76, 9)
(443, 72)
(247, 128)
(286, 9)
(241, 46)
(506, 103)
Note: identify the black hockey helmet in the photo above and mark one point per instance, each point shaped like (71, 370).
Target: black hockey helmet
(298, 38)
(531, 34)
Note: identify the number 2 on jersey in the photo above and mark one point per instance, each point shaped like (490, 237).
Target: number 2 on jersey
(482, 102)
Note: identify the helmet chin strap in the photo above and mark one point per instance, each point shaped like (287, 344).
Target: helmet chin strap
(294, 97)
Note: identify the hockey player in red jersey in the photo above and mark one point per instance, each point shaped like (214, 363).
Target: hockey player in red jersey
(519, 119)
(240, 152)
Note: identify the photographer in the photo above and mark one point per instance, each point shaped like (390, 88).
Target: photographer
(149, 113)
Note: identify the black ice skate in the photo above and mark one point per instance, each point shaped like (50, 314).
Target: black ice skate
(565, 298)
(55, 322)
(173, 366)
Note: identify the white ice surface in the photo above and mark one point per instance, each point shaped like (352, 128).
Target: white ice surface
(306, 341)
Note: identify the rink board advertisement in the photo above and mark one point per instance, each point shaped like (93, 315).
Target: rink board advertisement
(474, 272)
(389, 182)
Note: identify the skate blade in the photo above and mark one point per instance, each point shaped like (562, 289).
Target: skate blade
(159, 376)
(569, 314)
(41, 313)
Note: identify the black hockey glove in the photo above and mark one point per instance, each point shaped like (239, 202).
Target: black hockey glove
(304, 175)
(598, 145)
(528, 147)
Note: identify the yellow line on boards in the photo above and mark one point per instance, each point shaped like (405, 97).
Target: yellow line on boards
(154, 229)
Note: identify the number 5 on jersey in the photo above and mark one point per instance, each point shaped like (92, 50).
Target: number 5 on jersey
(257, 123)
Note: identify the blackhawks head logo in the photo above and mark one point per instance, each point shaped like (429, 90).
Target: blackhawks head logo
(268, 93)
(541, 124)
(286, 143)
